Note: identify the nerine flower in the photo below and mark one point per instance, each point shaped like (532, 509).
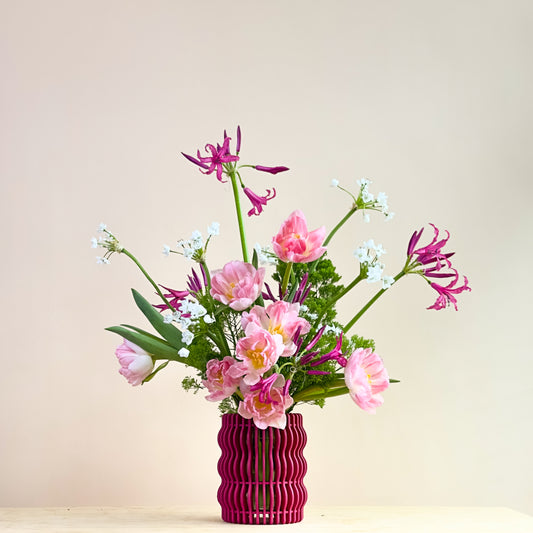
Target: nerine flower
(271, 170)
(223, 378)
(366, 376)
(215, 161)
(432, 262)
(238, 284)
(278, 318)
(135, 363)
(258, 201)
(266, 411)
(258, 351)
(295, 244)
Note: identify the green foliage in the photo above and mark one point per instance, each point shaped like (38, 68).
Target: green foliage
(323, 279)
(191, 384)
(227, 406)
(201, 350)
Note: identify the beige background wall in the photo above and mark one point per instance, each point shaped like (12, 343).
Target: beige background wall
(431, 100)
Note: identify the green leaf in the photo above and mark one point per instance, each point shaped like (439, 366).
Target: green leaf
(394, 381)
(150, 376)
(255, 259)
(168, 331)
(159, 348)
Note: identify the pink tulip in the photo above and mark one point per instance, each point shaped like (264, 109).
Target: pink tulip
(238, 284)
(258, 351)
(223, 378)
(136, 364)
(366, 377)
(295, 244)
(267, 410)
(280, 317)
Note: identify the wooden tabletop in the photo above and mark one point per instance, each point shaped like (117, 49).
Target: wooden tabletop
(321, 519)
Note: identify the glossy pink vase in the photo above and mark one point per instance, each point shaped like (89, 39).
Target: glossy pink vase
(262, 471)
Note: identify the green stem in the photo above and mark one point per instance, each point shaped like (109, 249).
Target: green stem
(370, 303)
(286, 278)
(335, 299)
(339, 225)
(239, 214)
(147, 276)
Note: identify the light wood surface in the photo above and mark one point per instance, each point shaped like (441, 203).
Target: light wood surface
(320, 519)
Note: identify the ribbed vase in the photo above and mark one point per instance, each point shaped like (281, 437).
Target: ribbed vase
(262, 471)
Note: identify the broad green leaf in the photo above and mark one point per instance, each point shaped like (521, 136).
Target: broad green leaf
(168, 331)
(155, 347)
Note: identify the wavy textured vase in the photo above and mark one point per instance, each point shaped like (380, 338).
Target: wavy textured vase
(262, 471)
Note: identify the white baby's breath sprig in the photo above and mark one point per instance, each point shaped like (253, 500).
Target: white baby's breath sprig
(265, 255)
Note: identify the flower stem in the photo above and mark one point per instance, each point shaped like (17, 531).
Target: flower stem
(147, 276)
(370, 303)
(340, 224)
(239, 214)
(286, 278)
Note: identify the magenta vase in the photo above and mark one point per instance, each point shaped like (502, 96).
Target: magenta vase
(262, 471)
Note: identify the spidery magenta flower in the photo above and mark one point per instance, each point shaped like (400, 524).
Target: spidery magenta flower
(258, 201)
(174, 297)
(215, 161)
(431, 262)
(446, 295)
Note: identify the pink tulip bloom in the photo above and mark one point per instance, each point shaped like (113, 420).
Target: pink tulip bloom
(295, 244)
(267, 410)
(258, 351)
(223, 378)
(238, 284)
(281, 318)
(366, 377)
(136, 364)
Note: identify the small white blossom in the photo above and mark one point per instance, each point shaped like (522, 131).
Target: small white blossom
(183, 352)
(387, 281)
(213, 229)
(166, 250)
(379, 250)
(389, 216)
(187, 337)
(382, 201)
(363, 182)
(208, 319)
(362, 255)
(102, 227)
(196, 240)
(193, 308)
(102, 261)
(367, 196)
(167, 319)
(332, 329)
(94, 242)
(304, 308)
(374, 273)
(366, 217)
(334, 183)
(188, 253)
(312, 316)
(264, 255)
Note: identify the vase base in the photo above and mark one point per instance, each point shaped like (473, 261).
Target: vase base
(251, 517)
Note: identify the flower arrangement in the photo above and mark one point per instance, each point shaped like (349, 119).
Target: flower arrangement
(261, 348)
